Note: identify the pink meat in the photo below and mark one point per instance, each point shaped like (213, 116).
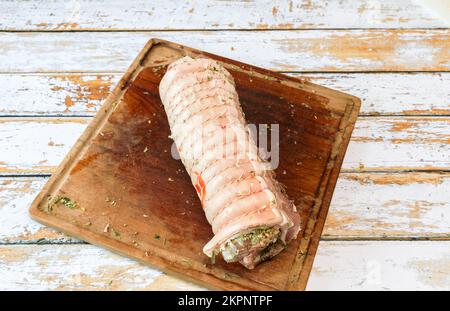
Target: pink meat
(236, 187)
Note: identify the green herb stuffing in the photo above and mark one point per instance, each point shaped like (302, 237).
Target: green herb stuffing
(262, 238)
(256, 235)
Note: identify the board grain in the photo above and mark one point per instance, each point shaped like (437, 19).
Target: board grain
(133, 197)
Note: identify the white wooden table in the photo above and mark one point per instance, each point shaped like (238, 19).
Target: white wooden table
(389, 222)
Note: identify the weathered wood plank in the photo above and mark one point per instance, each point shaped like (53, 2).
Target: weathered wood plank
(82, 94)
(399, 143)
(398, 205)
(364, 206)
(394, 265)
(341, 265)
(70, 94)
(154, 15)
(37, 145)
(295, 50)
(78, 267)
(16, 195)
(393, 94)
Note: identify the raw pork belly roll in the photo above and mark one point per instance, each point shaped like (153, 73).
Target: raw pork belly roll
(251, 217)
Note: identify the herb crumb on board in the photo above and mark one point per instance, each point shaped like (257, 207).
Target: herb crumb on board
(61, 200)
(115, 233)
(111, 201)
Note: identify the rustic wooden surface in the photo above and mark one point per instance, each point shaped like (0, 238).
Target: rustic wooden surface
(125, 154)
(394, 55)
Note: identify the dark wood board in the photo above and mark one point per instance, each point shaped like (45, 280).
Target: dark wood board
(135, 199)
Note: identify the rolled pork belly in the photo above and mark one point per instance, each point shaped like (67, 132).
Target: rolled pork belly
(251, 216)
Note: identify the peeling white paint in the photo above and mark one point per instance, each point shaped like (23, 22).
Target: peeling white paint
(214, 14)
(387, 265)
(295, 50)
(367, 265)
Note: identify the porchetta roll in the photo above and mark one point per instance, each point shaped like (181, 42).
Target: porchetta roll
(251, 217)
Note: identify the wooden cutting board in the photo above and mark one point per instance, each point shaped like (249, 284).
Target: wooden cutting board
(120, 188)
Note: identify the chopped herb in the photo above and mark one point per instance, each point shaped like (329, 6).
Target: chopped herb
(227, 275)
(213, 256)
(257, 234)
(49, 206)
(186, 261)
(157, 237)
(111, 201)
(67, 202)
(115, 233)
(59, 199)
